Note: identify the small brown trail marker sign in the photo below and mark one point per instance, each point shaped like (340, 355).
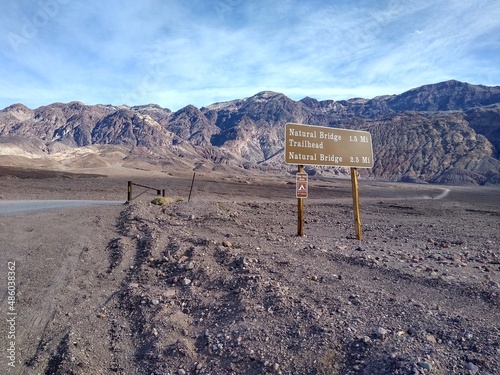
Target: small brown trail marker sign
(301, 185)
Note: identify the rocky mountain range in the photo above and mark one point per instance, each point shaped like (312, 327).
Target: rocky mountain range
(447, 132)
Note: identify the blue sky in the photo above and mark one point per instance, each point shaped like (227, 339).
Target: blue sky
(174, 53)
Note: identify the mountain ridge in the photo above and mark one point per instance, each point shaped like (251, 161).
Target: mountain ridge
(422, 132)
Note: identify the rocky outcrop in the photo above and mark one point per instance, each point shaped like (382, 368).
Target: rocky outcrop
(486, 121)
(69, 123)
(128, 128)
(457, 176)
(424, 145)
(445, 96)
(190, 123)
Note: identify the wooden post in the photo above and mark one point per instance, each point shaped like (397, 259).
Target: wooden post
(129, 191)
(355, 200)
(191, 190)
(300, 210)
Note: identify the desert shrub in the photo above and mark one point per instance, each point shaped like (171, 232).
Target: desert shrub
(163, 201)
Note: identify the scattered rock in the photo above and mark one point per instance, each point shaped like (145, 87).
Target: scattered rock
(425, 365)
(468, 336)
(243, 262)
(169, 293)
(472, 368)
(494, 284)
(412, 331)
(381, 333)
(430, 338)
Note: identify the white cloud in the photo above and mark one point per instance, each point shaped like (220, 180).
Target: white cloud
(177, 53)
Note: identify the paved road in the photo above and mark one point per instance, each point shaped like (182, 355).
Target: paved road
(8, 207)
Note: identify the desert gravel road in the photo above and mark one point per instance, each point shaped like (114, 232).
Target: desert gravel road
(15, 207)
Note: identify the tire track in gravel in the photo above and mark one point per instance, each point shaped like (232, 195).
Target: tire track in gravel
(283, 298)
(451, 295)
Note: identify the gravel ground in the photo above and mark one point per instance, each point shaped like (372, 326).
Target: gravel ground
(222, 284)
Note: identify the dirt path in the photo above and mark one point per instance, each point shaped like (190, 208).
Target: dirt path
(19, 207)
(60, 260)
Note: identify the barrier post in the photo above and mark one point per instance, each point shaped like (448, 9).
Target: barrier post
(129, 194)
(191, 189)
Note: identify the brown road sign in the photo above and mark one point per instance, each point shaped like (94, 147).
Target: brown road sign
(320, 145)
(301, 185)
